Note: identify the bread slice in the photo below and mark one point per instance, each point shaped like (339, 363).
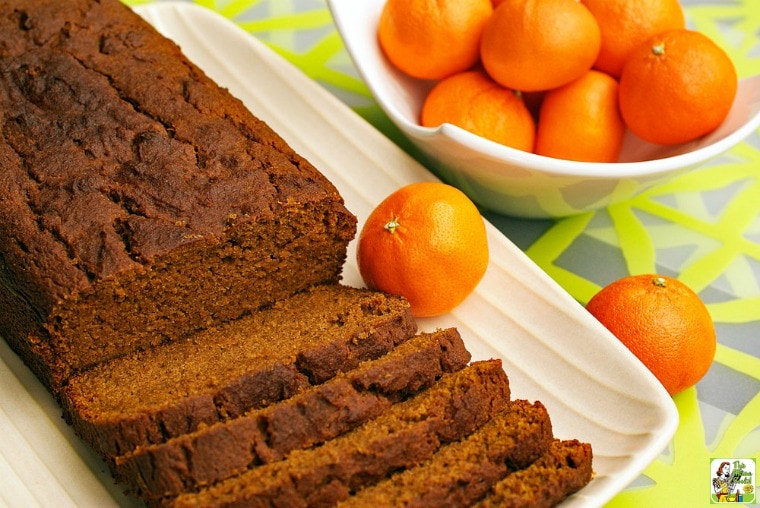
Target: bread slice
(314, 416)
(462, 472)
(269, 355)
(563, 470)
(405, 435)
(141, 202)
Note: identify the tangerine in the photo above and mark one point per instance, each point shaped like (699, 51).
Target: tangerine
(533, 45)
(624, 24)
(676, 87)
(427, 242)
(476, 103)
(663, 322)
(431, 39)
(581, 121)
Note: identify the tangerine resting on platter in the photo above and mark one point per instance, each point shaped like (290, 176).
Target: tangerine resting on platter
(426, 242)
(663, 322)
(532, 45)
(431, 39)
(476, 103)
(676, 87)
(624, 24)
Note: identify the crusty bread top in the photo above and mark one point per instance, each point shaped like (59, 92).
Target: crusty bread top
(117, 149)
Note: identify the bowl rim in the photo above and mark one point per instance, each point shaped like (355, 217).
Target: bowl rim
(562, 167)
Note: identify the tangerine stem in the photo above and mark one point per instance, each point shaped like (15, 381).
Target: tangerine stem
(392, 225)
(659, 282)
(658, 49)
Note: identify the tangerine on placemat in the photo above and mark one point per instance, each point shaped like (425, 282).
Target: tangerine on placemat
(427, 242)
(676, 87)
(663, 322)
(474, 102)
(624, 24)
(431, 39)
(581, 121)
(532, 45)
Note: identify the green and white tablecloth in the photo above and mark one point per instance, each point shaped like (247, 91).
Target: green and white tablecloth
(703, 228)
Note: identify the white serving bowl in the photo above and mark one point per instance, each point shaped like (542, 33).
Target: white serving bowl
(514, 182)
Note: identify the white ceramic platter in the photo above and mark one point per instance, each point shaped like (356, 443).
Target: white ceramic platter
(552, 349)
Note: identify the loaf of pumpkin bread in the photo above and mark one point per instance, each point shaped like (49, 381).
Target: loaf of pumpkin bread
(139, 201)
(170, 270)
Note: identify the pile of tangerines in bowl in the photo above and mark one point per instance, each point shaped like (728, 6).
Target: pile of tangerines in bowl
(561, 78)
(564, 79)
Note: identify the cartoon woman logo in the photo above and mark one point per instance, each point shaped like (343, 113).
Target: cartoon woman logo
(722, 482)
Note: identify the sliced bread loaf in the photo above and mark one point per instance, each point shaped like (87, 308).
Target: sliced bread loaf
(269, 355)
(405, 435)
(316, 415)
(462, 472)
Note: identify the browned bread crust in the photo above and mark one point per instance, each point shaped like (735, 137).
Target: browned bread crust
(139, 201)
(314, 416)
